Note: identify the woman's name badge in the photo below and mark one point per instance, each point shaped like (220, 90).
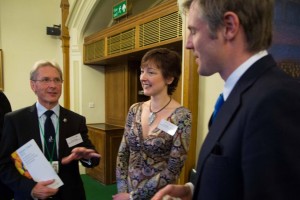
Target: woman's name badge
(74, 140)
(55, 166)
(167, 127)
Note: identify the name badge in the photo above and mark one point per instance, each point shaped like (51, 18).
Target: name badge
(74, 140)
(167, 127)
(55, 166)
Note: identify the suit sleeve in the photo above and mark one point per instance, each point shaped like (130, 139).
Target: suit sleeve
(8, 172)
(4, 108)
(271, 160)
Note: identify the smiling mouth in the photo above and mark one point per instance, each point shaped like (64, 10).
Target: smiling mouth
(145, 86)
(52, 93)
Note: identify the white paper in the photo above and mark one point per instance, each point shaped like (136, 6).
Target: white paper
(167, 127)
(37, 165)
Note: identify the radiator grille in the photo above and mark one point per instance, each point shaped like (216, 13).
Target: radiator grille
(99, 49)
(161, 29)
(95, 50)
(121, 42)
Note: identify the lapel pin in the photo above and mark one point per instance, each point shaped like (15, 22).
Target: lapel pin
(65, 120)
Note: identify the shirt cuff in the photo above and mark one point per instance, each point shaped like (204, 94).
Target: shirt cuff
(89, 162)
(191, 186)
(34, 198)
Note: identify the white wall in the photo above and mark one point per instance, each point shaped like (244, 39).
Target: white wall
(23, 40)
(87, 82)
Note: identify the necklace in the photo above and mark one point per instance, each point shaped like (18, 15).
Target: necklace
(152, 115)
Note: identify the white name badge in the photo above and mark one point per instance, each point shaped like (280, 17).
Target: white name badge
(55, 166)
(167, 127)
(73, 140)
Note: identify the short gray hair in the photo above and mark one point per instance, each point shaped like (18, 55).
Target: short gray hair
(44, 63)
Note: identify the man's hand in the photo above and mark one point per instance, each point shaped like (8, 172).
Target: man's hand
(80, 153)
(41, 191)
(171, 192)
(121, 196)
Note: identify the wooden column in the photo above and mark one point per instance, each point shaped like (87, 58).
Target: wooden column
(189, 100)
(65, 38)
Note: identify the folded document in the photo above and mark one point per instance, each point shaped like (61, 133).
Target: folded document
(31, 162)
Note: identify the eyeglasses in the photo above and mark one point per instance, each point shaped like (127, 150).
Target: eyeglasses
(47, 81)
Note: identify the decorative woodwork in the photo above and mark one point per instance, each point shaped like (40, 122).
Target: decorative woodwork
(159, 26)
(190, 101)
(65, 38)
(106, 139)
(116, 94)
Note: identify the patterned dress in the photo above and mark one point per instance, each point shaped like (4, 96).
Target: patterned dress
(146, 165)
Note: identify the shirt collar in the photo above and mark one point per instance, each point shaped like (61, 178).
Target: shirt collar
(41, 109)
(238, 72)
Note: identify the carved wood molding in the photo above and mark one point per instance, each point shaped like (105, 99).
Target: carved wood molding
(65, 37)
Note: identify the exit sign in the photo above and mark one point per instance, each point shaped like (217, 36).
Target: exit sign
(120, 9)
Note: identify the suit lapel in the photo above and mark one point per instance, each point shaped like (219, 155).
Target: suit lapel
(63, 129)
(231, 107)
(35, 130)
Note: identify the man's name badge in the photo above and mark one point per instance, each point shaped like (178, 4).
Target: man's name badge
(167, 127)
(74, 140)
(55, 166)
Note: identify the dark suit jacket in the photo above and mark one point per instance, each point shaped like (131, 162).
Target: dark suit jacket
(5, 107)
(252, 150)
(21, 126)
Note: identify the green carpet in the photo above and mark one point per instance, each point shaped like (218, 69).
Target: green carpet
(97, 191)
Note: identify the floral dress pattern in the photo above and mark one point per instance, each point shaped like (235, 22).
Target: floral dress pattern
(144, 165)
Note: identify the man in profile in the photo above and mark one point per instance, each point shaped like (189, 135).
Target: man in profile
(251, 151)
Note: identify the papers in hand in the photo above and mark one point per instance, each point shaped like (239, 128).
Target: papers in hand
(37, 165)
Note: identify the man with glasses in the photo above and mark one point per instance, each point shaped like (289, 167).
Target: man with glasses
(29, 123)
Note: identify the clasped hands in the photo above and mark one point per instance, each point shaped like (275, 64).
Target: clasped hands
(41, 191)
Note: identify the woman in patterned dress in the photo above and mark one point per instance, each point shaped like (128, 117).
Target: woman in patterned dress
(157, 132)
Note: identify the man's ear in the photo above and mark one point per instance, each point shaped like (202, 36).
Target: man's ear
(32, 85)
(231, 25)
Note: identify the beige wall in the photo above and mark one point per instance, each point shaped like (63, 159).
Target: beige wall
(87, 82)
(209, 90)
(23, 40)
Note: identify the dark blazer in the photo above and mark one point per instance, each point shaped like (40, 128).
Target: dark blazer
(5, 107)
(21, 126)
(252, 150)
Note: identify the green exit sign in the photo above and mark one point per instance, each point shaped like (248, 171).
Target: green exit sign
(120, 9)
